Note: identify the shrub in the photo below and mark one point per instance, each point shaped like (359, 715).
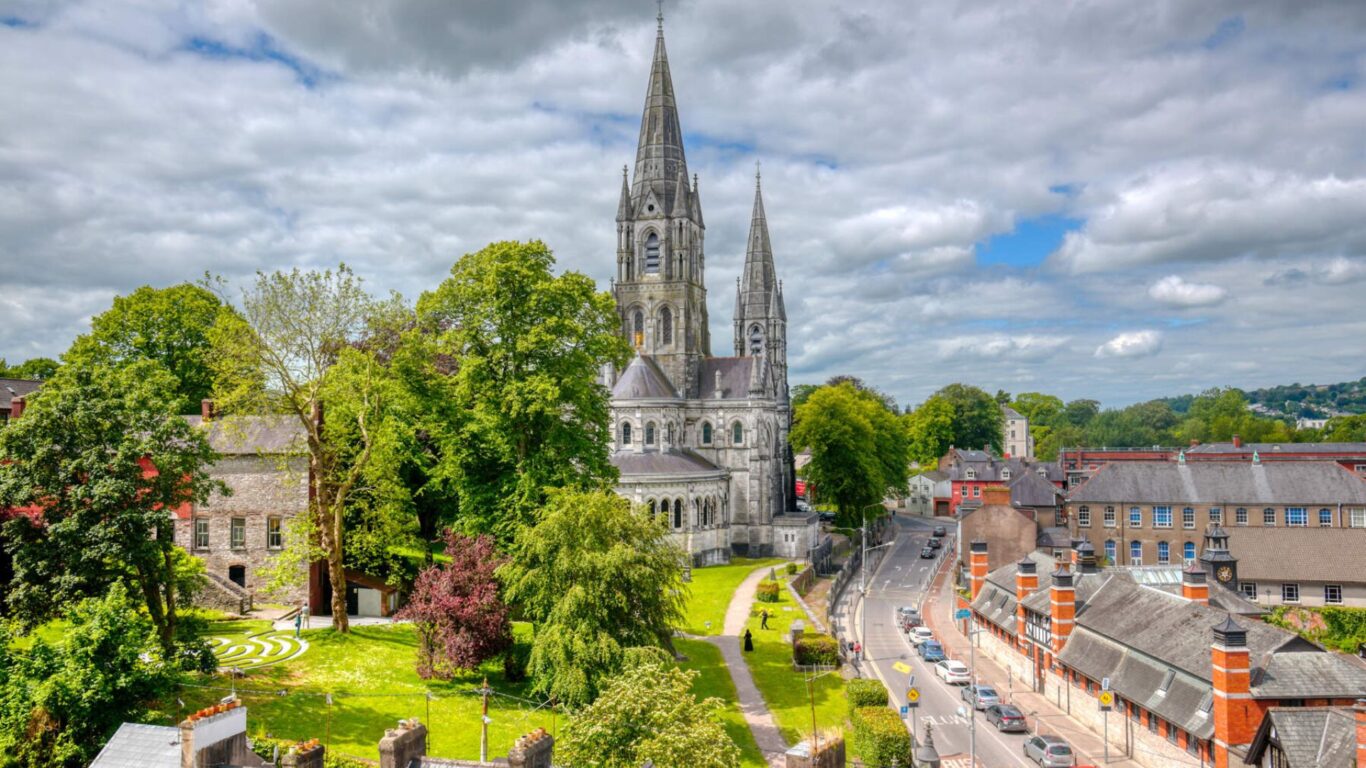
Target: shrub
(865, 692)
(767, 592)
(810, 650)
(880, 737)
(515, 660)
(791, 569)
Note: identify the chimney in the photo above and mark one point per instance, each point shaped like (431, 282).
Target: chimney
(16, 407)
(997, 495)
(1360, 711)
(533, 750)
(401, 745)
(1026, 582)
(1086, 557)
(1193, 585)
(206, 411)
(1236, 716)
(1062, 608)
(1074, 557)
(308, 754)
(1194, 442)
(1237, 442)
(977, 564)
(215, 735)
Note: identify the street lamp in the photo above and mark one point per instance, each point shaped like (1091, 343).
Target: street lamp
(863, 579)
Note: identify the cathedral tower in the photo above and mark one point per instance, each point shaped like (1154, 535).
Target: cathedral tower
(760, 317)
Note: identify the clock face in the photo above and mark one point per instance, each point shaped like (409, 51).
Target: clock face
(1224, 573)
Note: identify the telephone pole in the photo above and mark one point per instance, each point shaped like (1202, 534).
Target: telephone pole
(484, 724)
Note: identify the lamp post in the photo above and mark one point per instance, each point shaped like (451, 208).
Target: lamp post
(863, 580)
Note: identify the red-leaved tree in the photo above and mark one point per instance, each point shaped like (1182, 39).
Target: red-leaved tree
(461, 619)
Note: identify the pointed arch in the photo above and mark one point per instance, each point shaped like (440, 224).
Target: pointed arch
(678, 513)
(652, 249)
(626, 433)
(666, 325)
(737, 433)
(649, 433)
(756, 339)
(638, 327)
(706, 433)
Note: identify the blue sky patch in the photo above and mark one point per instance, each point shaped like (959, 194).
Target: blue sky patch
(15, 22)
(262, 48)
(1029, 243)
(1227, 31)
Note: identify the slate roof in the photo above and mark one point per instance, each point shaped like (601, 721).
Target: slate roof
(12, 388)
(661, 463)
(1223, 482)
(1274, 448)
(1054, 537)
(137, 745)
(252, 435)
(1317, 737)
(987, 467)
(996, 602)
(1331, 555)
(1031, 490)
(735, 373)
(643, 380)
(1011, 413)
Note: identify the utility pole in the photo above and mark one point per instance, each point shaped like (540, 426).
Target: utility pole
(863, 587)
(972, 710)
(484, 724)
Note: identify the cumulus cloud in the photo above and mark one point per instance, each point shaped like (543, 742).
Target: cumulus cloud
(1174, 291)
(1001, 347)
(1131, 344)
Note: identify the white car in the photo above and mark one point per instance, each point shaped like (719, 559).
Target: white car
(953, 672)
(919, 635)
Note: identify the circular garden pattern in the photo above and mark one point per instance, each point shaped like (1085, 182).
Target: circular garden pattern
(256, 649)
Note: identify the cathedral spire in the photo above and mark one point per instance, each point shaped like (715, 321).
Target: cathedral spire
(759, 275)
(624, 205)
(659, 154)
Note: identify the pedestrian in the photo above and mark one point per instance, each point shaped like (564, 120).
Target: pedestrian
(763, 619)
(749, 640)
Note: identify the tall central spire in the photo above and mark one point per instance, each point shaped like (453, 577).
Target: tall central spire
(659, 156)
(759, 276)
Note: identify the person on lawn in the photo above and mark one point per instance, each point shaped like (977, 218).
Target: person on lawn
(763, 619)
(749, 640)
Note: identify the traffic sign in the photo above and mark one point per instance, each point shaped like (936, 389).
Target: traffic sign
(912, 695)
(1107, 699)
(961, 614)
(905, 710)
(902, 667)
(1105, 683)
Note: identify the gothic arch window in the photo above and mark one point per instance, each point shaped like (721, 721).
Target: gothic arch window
(626, 433)
(638, 328)
(737, 433)
(650, 505)
(650, 433)
(652, 254)
(666, 325)
(669, 433)
(706, 433)
(756, 339)
(697, 509)
(678, 513)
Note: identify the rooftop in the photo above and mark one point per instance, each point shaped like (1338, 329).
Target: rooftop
(668, 462)
(1347, 449)
(1223, 482)
(12, 388)
(1299, 554)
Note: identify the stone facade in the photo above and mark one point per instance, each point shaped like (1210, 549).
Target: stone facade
(1019, 444)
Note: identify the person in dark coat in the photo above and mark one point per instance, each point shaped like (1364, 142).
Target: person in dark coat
(763, 619)
(749, 640)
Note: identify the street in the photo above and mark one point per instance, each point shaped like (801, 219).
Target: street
(902, 578)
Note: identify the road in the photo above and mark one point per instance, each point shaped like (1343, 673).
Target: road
(902, 579)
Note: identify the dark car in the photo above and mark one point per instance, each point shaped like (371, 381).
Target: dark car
(1007, 718)
(939, 531)
(909, 617)
(827, 517)
(928, 553)
(936, 543)
(931, 651)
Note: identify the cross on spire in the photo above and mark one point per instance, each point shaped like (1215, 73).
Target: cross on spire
(659, 18)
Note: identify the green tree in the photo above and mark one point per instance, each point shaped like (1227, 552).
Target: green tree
(1345, 429)
(168, 326)
(60, 702)
(595, 577)
(1037, 407)
(104, 458)
(40, 368)
(648, 713)
(977, 417)
(859, 448)
(802, 392)
(528, 347)
(1079, 413)
(931, 430)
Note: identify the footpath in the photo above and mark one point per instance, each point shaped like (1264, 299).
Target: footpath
(1043, 715)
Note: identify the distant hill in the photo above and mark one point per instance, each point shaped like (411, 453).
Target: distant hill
(1298, 400)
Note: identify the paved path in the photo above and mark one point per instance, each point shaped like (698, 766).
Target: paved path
(752, 706)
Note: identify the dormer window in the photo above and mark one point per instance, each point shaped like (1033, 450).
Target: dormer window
(1166, 682)
(1005, 474)
(971, 474)
(652, 254)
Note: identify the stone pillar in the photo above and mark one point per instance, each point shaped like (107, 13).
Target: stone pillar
(1063, 608)
(534, 750)
(1236, 717)
(400, 745)
(977, 564)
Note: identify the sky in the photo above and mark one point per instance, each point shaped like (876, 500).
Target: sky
(1102, 199)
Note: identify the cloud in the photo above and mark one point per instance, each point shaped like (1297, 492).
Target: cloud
(1338, 271)
(1131, 344)
(1175, 291)
(1001, 347)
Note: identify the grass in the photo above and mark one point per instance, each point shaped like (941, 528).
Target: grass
(711, 590)
(714, 680)
(248, 644)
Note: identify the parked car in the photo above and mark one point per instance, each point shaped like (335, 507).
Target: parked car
(1006, 718)
(802, 506)
(1049, 752)
(928, 553)
(931, 651)
(936, 543)
(939, 530)
(980, 696)
(919, 635)
(953, 671)
(827, 517)
(908, 617)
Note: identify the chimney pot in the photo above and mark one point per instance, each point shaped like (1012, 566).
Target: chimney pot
(16, 407)
(1237, 442)
(206, 409)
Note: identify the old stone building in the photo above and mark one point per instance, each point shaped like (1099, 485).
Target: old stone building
(1019, 444)
(699, 439)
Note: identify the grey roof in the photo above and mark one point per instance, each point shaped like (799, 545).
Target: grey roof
(1054, 536)
(643, 380)
(989, 468)
(12, 388)
(997, 604)
(1349, 449)
(934, 475)
(1299, 554)
(1011, 413)
(136, 745)
(1030, 490)
(674, 462)
(735, 373)
(1222, 482)
(1318, 737)
(250, 435)
(1309, 673)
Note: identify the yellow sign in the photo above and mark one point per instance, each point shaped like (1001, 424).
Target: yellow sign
(902, 667)
(1107, 698)
(912, 695)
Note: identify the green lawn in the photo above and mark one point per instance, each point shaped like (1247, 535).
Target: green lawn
(711, 589)
(714, 680)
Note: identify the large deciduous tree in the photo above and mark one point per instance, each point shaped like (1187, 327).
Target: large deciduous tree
(102, 459)
(859, 448)
(595, 577)
(648, 714)
(528, 348)
(460, 618)
(977, 417)
(931, 429)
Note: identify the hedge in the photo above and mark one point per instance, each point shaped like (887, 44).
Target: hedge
(865, 692)
(809, 650)
(767, 592)
(791, 568)
(880, 737)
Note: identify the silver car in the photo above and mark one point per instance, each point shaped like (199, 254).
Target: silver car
(980, 696)
(1049, 752)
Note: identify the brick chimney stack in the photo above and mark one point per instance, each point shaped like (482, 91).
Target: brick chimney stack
(1062, 608)
(16, 407)
(215, 735)
(306, 755)
(1236, 716)
(206, 410)
(1237, 442)
(1360, 711)
(977, 565)
(534, 750)
(1193, 585)
(1026, 582)
(401, 745)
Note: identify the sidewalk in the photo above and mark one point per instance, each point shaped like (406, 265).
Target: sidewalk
(1044, 716)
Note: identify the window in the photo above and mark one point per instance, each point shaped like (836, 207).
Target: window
(737, 433)
(650, 433)
(1188, 551)
(1356, 517)
(1216, 515)
(1134, 712)
(1192, 746)
(1240, 516)
(971, 474)
(1109, 517)
(1172, 733)
(638, 328)
(1162, 517)
(756, 339)
(1269, 517)
(1135, 517)
(652, 254)
(666, 325)
(1332, 594)
(1005, 474)
(1152, 722)
(1188, 517)
(1296, 517)
(678, 510)
(1084, 516)
(626, 433)
(669, 433)
(1110, 550)
(1164, 553)
(1248, 589)
(274, 535)
(976, 491)
(238, 537)
(1290, 593)
(1135, 553)
(706, 433)
(201, 533)
(1325, 518)
(678, 514)
(650, 505)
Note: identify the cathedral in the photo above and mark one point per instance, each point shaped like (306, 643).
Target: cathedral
(700, 440)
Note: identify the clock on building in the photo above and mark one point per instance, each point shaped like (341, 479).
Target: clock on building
(1224, 574)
